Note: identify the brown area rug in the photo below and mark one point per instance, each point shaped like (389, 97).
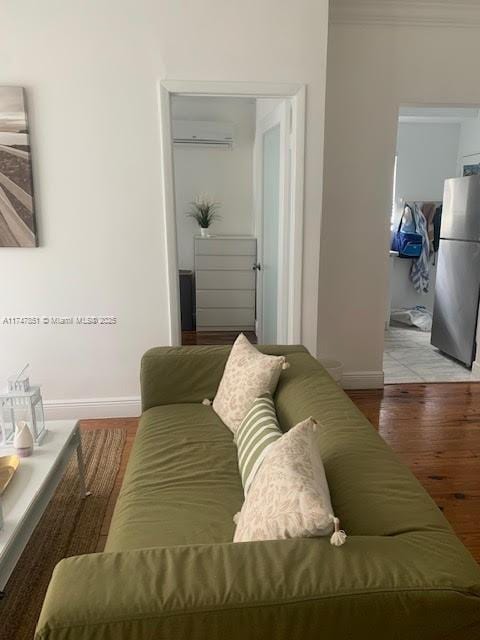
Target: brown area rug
(70, 526)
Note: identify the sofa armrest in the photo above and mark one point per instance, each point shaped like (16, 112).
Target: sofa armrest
(295, 589)
(172, 375)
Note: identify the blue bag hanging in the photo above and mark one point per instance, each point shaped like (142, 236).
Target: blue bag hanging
(408, 244)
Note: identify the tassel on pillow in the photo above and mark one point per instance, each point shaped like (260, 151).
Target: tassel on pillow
(206, 402)
(338, 536)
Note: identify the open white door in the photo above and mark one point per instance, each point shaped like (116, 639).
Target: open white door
(272, 187)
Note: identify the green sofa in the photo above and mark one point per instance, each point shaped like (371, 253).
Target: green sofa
(171, 572)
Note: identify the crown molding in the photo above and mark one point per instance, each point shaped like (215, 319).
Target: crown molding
(411, 13)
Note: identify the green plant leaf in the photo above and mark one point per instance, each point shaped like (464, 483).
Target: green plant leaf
(204, 213)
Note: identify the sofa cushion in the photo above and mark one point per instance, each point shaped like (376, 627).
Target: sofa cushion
(181, 485)
(175, 375)
(256, 434)
(372, 491)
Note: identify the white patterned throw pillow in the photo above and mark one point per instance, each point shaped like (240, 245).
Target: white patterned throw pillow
(254, 437)
(248, 374)
(289, 496)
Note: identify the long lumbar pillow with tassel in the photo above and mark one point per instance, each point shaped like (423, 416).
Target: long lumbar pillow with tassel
(289, 496)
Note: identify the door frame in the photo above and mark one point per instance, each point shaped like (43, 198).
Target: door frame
(279, 116)
(296, 93)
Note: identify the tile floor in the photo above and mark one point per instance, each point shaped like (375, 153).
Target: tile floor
(409, 357)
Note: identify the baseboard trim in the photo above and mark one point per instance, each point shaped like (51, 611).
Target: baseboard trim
(363, 380)
(85, 408)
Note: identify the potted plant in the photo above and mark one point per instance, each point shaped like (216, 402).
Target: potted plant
(204, 211)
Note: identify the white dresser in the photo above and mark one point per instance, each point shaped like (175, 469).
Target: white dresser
(225, 283)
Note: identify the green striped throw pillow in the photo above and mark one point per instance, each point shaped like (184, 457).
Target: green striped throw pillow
(256, 433)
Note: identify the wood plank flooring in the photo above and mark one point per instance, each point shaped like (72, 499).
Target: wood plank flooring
(434, 428)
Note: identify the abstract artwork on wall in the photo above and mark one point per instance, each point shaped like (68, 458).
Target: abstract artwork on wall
(17, 213)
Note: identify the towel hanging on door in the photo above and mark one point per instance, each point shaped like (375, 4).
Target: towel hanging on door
(428, 209)
(420, 269)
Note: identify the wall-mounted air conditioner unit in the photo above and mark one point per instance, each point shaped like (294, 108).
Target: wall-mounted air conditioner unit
(198, 133)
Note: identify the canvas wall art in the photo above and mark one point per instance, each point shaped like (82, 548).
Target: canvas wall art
(17, 211)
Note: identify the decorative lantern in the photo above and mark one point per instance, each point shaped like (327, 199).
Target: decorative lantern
(21, 402)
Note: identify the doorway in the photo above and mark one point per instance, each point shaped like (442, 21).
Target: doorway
(435, 147)
(234, 153)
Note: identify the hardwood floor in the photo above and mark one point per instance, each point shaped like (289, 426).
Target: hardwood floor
(434, 428)
(215, 337)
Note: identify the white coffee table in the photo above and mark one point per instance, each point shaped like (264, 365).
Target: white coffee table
(32, 487)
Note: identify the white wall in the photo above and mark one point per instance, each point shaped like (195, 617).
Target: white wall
(426, 157)
(372, 71)
(91, 70)
(224, 174)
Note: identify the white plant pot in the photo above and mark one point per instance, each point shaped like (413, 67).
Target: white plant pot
(204, 232)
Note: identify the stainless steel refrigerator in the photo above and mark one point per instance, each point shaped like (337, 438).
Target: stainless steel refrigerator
(457, 288)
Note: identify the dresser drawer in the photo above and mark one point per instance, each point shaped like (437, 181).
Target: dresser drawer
(225, 247)
(244, 318)
(225, 263)
(225, 279)
(218, 298)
